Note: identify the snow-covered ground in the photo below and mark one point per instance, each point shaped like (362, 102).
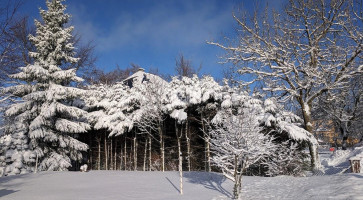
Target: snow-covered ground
(338, 162)
(107, 185)
(339, 187)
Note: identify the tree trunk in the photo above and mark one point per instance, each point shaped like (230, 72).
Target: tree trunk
(106, 153)
(111, 158)
(121, 153)
(313, 148)
(149, 153)
(125, 154)
(242, 169)
(236, 179)
(188, 144)
(135, 153)
(115, 156)
(131, 158)
(180, 157)
(99, 153)
(90, 161)
(162, 149)
(207, 147)
(344, 133)
(36, 164)
(208, 155)
(145, 155)
(235, 190)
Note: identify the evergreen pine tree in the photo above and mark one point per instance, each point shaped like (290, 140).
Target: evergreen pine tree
(48, 118)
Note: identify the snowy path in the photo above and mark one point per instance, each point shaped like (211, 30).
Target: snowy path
(108, 185)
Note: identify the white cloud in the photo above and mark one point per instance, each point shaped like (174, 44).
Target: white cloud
(161, 25)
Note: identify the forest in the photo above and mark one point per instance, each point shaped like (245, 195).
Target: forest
(60, 112)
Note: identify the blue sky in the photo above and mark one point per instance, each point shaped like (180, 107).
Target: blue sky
(152, 33)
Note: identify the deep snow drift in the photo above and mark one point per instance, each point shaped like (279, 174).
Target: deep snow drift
(107, 185)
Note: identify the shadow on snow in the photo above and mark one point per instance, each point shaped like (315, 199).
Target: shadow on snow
(209, 180)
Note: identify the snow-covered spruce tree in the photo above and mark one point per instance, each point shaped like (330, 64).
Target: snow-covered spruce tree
(15, 155)
(47, 119)
(237, 143)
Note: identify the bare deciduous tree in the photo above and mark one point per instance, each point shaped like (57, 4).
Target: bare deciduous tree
(344, 108)
(9, 58)
(183, 67)
(96, 76)
(237, 143)
(309, 48)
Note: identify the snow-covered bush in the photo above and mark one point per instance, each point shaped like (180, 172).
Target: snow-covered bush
(83, 168)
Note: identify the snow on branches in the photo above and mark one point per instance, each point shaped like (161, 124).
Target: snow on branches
(49, 114)
(301, 52)
(238, 142)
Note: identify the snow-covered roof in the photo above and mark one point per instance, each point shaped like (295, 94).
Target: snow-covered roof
(140, 77)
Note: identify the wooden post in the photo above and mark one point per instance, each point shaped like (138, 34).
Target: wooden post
(355, 164)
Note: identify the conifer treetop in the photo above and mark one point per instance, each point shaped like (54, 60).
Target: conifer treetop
(52, 37)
